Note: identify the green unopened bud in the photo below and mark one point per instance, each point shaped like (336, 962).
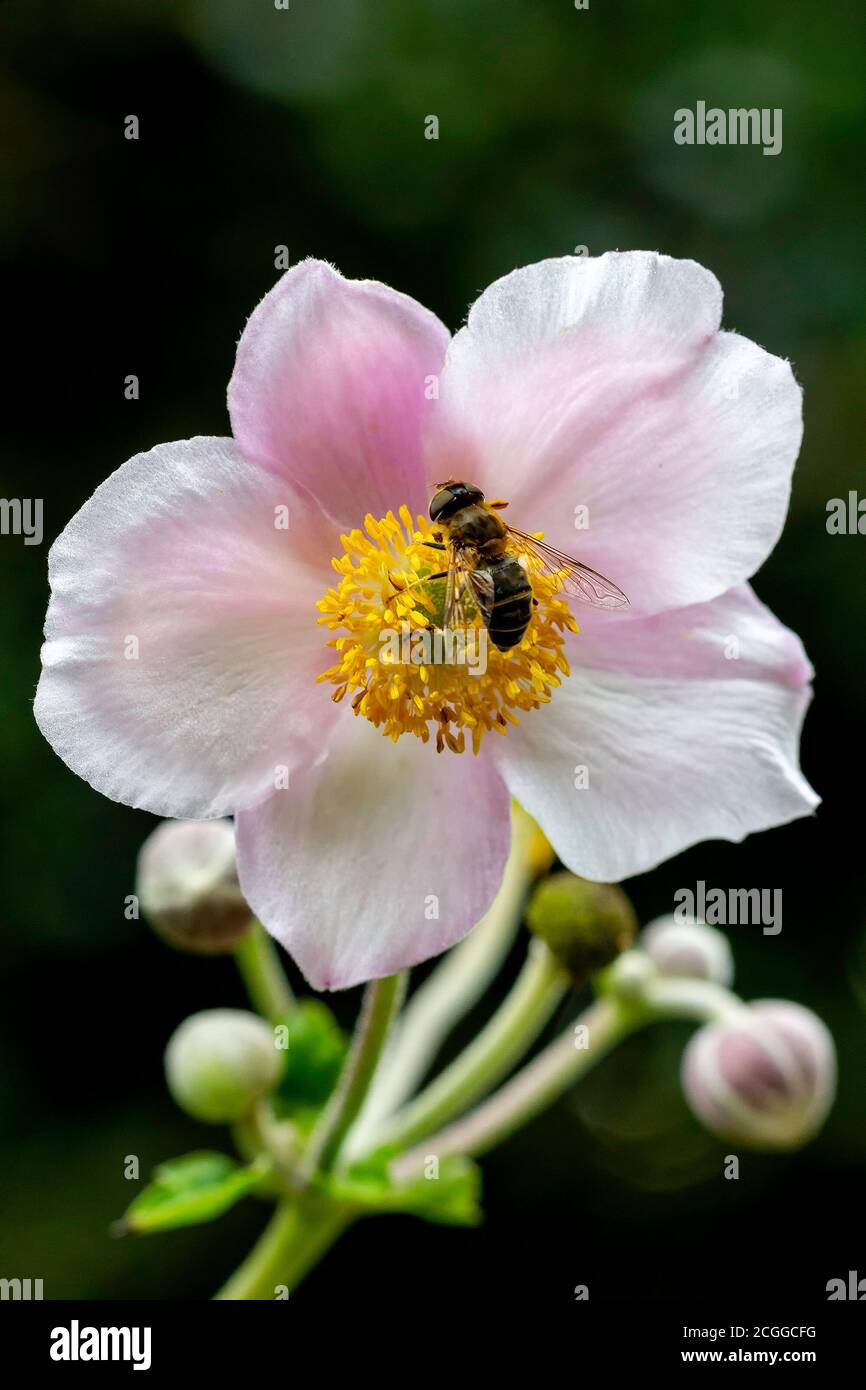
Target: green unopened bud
(220, 1062)
(188, 888)
(585, 925)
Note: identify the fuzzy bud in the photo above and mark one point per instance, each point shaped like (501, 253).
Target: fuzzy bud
(764, 1077)
(689, 949)
(218, 1063)
(630, 974)
(585, 925)
(187, 885)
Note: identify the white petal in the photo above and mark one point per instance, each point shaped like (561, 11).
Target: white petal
(679, 741)
(600, 399)
(381, 856)
(331, 388)
(182, 643)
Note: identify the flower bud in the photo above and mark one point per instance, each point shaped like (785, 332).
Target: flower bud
(765, 1077)
(689, 948)
(187, 886)
(218, 1063)
(629, 974)
(585, 925)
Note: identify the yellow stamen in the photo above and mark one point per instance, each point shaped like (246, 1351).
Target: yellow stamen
(386, 607)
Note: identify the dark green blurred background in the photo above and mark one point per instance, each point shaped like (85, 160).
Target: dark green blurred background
(304, 127)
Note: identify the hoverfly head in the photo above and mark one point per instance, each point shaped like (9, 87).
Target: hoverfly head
(451, 497)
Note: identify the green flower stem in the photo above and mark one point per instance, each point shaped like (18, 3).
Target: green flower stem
(295, 1239)
(452, 989)
(382, 999)
(535, 1087)
(511, 1031)
(258, 961)
(259, 1132)
(669, 996)
(555, 1070)
(248, 1135)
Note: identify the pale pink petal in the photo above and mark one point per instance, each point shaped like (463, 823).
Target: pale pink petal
(679, 738)
(381, 856)
(331, 387)
(182, 642)
(735, 635)
(604, 384)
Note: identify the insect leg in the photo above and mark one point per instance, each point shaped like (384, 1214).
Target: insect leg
(443, 574)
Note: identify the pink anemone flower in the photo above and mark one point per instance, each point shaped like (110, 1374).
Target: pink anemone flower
(214, 637)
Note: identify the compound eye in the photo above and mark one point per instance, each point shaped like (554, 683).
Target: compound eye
(442, 499)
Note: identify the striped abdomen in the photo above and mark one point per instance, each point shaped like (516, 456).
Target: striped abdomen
(512, 601)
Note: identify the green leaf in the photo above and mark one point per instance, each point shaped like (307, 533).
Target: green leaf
(450, 1196)
(189, 1190)
(316, 1050)
(454, 1199)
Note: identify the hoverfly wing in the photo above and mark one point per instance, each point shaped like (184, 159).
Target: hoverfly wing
(452, 587)
(467, 589)
(480, 581)
(591, 587)
(576, 579)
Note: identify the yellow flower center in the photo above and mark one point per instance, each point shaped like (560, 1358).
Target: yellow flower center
(408, 676)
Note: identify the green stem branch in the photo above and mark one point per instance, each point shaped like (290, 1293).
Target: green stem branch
(295, 1239)
(669, 996)
(381, 1002)
(509, 1034)
(453, 988)
(535, 1087)
(555, 1070)
(258, 961)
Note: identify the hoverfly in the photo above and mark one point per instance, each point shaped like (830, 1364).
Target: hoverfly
(485, 569)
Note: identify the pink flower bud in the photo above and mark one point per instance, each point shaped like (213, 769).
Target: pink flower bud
(689, 949)
(187, 885)
(764, 1077)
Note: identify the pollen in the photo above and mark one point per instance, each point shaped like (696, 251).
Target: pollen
(402, 670)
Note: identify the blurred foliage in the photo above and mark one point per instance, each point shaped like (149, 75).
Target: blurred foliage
(453, 1199)
(314, 1060)
(305, 127)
